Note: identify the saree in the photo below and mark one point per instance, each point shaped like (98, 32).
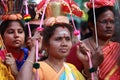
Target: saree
(67, 72)
(5, 73)
(18, 62)
(110, 69)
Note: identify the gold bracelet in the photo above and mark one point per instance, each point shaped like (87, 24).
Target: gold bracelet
(84, 73)
(30, 61)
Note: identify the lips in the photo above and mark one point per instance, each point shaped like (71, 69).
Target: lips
(64, 50)
(109, 31)
(17, 41)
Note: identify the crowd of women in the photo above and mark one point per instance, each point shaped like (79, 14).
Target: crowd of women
(61, 59)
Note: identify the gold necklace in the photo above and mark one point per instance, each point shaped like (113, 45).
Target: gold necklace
(92, 44)
(107, 44)
(55, 67)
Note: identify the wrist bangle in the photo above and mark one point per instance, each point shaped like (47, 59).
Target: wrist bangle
(84, 73)
(30, 61)
(91, 70)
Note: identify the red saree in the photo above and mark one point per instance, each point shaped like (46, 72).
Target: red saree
(109, 69)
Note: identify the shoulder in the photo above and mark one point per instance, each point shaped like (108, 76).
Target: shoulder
(25, 50)
(114, 43)
(86, 40)
(43, 65)
(75, 71)
(71, 65)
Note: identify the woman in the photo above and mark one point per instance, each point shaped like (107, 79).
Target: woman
(57, 41)
(105, 22)
(13, 36)
(105, 18)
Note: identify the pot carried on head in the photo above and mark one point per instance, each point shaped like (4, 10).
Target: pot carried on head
(10, 9)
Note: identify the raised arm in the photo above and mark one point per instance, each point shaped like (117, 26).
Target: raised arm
(26, 72)
(96, 58)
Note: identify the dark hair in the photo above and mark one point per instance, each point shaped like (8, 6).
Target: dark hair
(98, 12)
(4, 25)
(49, 31)
(84, 25)
(32, 28)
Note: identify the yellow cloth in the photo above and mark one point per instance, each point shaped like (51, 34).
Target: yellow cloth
(5, 73)
(0, 44)
(46, 72)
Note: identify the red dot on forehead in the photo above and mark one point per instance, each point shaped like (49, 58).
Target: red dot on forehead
(63, 26)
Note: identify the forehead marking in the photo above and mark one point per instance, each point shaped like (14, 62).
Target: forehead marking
(63, 32)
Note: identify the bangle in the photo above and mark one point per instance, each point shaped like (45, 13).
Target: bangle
(84, 73)
(30, 61)
(91, 70)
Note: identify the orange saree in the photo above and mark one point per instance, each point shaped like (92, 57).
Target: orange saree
(67, 72)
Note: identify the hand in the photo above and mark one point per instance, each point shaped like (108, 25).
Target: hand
(38, 36)
(10, 60)
(82, 53)
(97, 57)
(31, 41)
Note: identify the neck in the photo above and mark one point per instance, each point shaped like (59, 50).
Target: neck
(56, 64)
(56, 61)
(15, 52)
(101, 42)
(12, 50)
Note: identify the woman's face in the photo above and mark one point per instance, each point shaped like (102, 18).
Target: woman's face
(106, 25)
(14, 36)
(60, 43)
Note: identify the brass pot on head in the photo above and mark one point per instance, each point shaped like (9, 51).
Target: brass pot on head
(54, 14)
(54, 9)
(10, 6)
(11, 9)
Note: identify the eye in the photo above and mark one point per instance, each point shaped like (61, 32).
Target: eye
(103, 22)
(58, 38)
(68, 38)
(107, 21)
(20, 31)
(112, 21)
(10, 31)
